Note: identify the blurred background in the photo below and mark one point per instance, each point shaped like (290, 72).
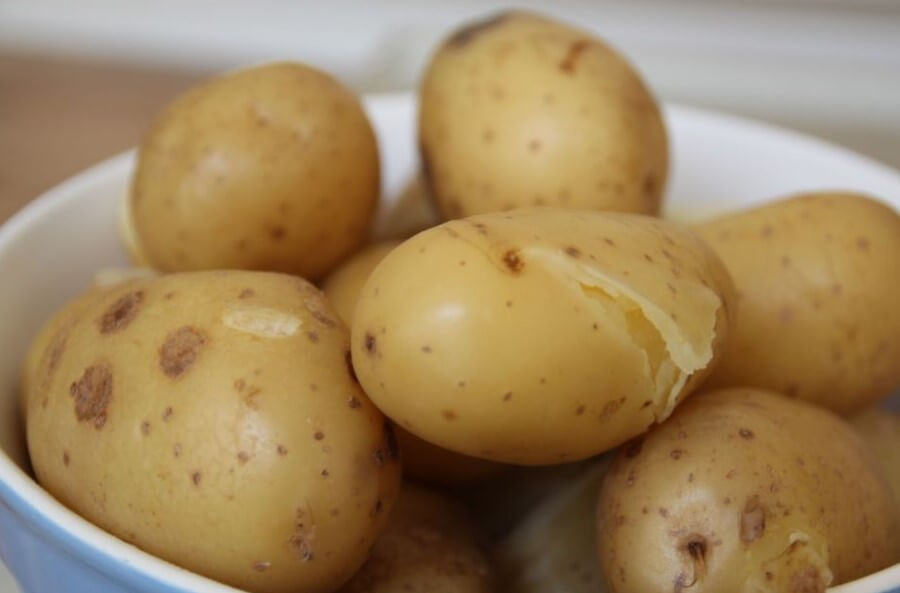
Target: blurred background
(79, 81)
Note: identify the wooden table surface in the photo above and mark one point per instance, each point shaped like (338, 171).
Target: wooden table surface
(59, 116)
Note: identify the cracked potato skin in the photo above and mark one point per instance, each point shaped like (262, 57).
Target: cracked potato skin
(520, 110)
(211, 419)
(817, 281)
(514, 336)
(746, 491)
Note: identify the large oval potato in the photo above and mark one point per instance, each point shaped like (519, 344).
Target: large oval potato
(745, 491)
(520, 110)
(212, 419)
(421, 460)
(273, 167)
(430, 545)
(817, 280)
(539, 336)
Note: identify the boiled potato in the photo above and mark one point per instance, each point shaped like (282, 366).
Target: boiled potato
(817, 278)
(421, 460)
(553, 550)
(880, 429)
(542, 335)
(745, 491)
(430, 545)
(273, 167)
(521, 110)
(343, 285)
(212, 419)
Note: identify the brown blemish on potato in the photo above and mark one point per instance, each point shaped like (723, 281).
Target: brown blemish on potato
(650, 185)
(426, 349)
(579, 410)
(509, 304)
(176, 450)
(167, 413)
(277, 233)
(648, 258)
(93, 393)
(676, 454)
(324, 473)
(145, 428)
(572, 252)
(449, 415)
(196, 478)
(513, 261)
(746, 433)
(281, 450)
(507, 396)
(862, 243)
(261, 566)
(465, 35)
(302, 537)
(122, 312)
(334, 512)
(767, 231)
(353, 402)
(65, 458)
(534, 145)
(753, 520)
(313, 336)
(246, 293)
(180, 351)
(370, 343)
(570, 61)
(663, 512)
(318, 435)
(243, 457)
(695, 546)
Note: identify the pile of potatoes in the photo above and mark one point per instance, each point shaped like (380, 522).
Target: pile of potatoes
(682, 387)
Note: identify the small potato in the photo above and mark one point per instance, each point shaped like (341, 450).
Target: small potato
(817, 278)
(421, 460)
(553, 550)
(520, 110)
(273, 167)
(745, 491)
(212, 419)
(343, 285)
(880, 429)
(539, 336)
(430, 545)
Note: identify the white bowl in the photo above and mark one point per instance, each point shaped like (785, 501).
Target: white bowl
(51, 250)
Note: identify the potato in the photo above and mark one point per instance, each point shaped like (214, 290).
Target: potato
(520, 110)
(539, 336)
(817, 278)
(880, 429)
(343, 285)
(212, 419)
(274, 167)
(745, 490)
(553, 550)
(430, 546)
(421, 460)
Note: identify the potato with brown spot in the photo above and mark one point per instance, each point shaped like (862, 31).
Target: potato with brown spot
(587, 342)
(431, 545)
(818, 280)
(800, 507)
(522, 110)
(193, 425)
(273, 167)
(421, 460)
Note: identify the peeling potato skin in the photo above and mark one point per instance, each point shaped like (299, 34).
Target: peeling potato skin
(817, 280)
(182, 434)
(487, 317)
(754, 473)
(273, 167)
(520, 110)
(422, 460)
(430, 545)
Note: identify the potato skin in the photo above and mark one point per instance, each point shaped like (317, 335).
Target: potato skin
(745, 490)
(212, 419)
(818, 284)
(422, 460)
(273, 168)
(510, 322)
(430, 545)
(520, 110)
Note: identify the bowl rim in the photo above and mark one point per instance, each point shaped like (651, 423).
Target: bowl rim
(41, 513)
